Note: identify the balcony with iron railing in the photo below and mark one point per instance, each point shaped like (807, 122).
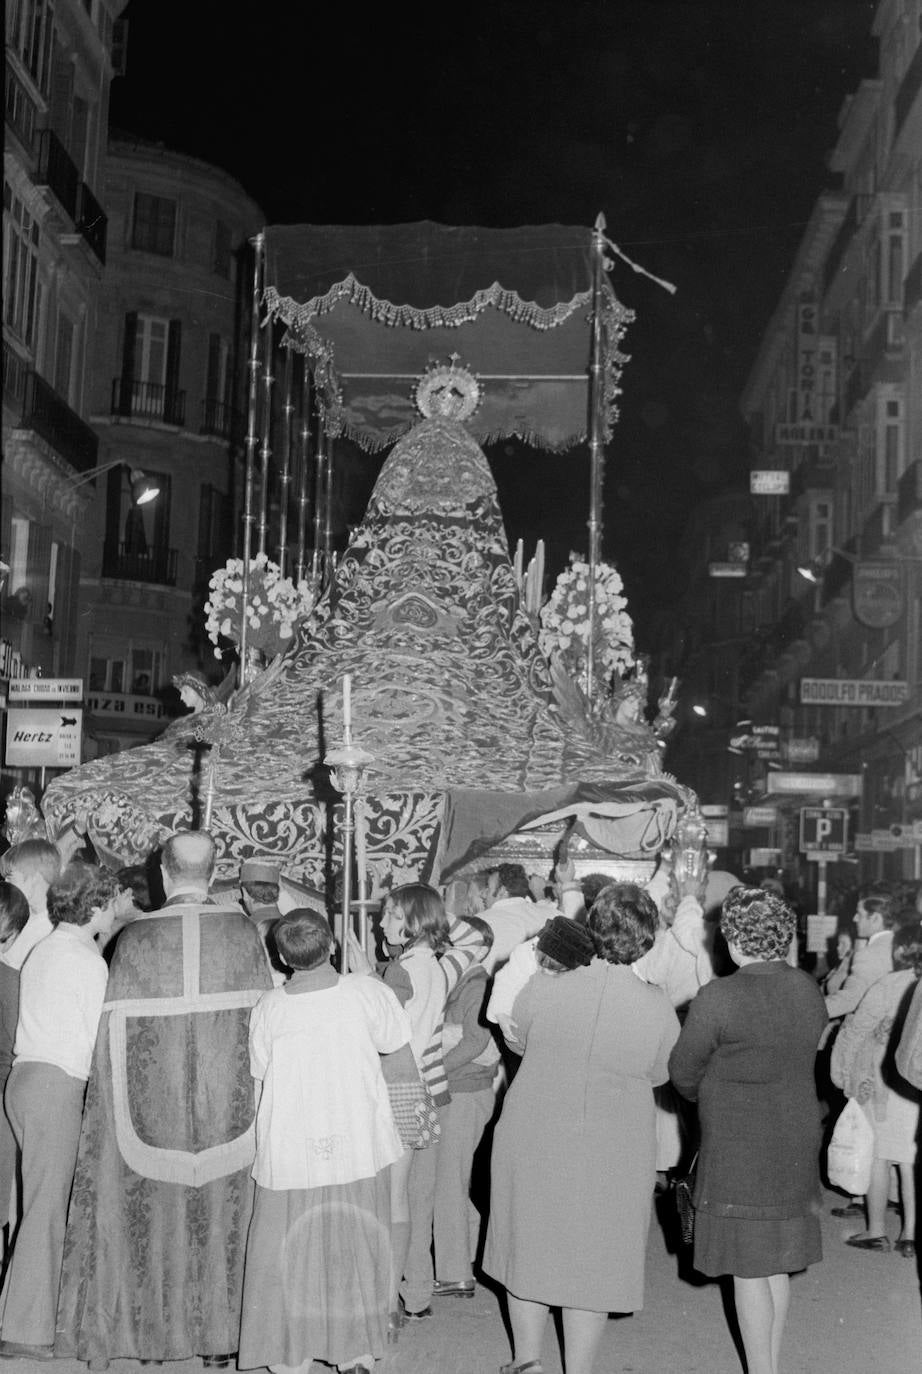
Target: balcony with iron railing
(156, 565)
(857, 385)
(134, 400)
(912, 287)
(20, 111)
(838, 572)
(876, 529)
(15, 372)
(57, 171)
(92, 223)
(857, 209)
(909, 492)
(48, 415)
(886, 341)
(221, 420)
(909, 88)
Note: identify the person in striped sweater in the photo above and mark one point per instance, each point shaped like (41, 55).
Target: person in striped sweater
(430, 951)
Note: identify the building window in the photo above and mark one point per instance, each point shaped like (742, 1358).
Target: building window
(22, 293)
(30, 32)
(154, 228)
(150, 346)
(107, 675)
(137, 670)
(20, 111)
(820, 530)
(893, 266)
(64, 357)
(221, 258)
(890, 444)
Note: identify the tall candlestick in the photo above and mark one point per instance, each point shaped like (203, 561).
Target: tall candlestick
(539, 574)
(209, 799)
(519, 561)
(347, 704)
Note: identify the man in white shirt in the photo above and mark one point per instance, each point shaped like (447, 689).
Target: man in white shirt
(32, 866)
(61, 990)
(513, 915)
(872, 957)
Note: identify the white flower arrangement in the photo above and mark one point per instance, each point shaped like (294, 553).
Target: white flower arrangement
(274, 605)
(564, 622)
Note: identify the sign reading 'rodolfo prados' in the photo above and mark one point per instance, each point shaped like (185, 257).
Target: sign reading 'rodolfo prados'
(845, 691)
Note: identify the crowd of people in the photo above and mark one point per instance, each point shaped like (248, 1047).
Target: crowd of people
(216, 1144)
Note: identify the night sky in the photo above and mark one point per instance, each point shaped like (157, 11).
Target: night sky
(699, 128)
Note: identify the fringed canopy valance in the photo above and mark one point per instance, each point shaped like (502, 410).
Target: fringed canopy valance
(373, 307)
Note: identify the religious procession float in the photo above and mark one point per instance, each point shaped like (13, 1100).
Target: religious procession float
(415, 705)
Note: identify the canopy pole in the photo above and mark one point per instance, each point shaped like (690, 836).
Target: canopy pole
(596, 448)
(265, 452)
(251, 442)
(304, 468)
(320, 459)
(285, 474)
(328, 514)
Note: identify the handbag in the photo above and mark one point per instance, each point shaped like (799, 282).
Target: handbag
(683, 1190)
(850, 1152)
(415, 1114)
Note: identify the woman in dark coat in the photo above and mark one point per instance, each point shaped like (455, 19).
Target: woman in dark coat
(746, 1055)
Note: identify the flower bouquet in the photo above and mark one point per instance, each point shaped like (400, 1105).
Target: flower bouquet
(564, 624)
(274, 605)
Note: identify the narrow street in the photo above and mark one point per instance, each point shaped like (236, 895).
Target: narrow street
(856, 1313)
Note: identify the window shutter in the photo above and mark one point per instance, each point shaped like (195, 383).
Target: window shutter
(37, 562)
(171, 409)
(205, 518)
(119, 53)
(65, 611)
(129, 344)
(214, 368)
(62, 95)
(114, 481)
(161, 535)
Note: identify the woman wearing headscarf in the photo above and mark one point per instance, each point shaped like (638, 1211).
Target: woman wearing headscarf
(746, 1055)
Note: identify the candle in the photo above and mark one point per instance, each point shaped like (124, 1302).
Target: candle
(347, 703)
(539, 574)
(517, 566)
(209, 799)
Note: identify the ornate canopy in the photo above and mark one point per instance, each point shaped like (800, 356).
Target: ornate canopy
(373, 307)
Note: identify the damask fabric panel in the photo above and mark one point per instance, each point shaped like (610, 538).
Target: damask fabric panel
(372, 307)
(450, 695)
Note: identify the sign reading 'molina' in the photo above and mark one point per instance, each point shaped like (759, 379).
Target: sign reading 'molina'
(845, 691)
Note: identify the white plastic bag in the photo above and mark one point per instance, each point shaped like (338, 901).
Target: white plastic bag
(851, 1151)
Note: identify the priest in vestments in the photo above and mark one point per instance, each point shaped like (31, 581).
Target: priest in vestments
(162, 1196)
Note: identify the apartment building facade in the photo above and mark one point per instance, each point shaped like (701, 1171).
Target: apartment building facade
(817, 649)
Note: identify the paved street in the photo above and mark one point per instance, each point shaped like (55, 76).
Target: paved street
(856, 1313)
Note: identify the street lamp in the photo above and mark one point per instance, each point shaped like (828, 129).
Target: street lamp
(143, 488)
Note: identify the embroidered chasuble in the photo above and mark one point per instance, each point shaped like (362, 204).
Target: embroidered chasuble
(162, 1196)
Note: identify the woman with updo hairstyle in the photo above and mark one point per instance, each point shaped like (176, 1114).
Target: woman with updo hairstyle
(746, 1055)
(863, 1067)
(574, 1153)
(317, 1270)
(623, 921)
